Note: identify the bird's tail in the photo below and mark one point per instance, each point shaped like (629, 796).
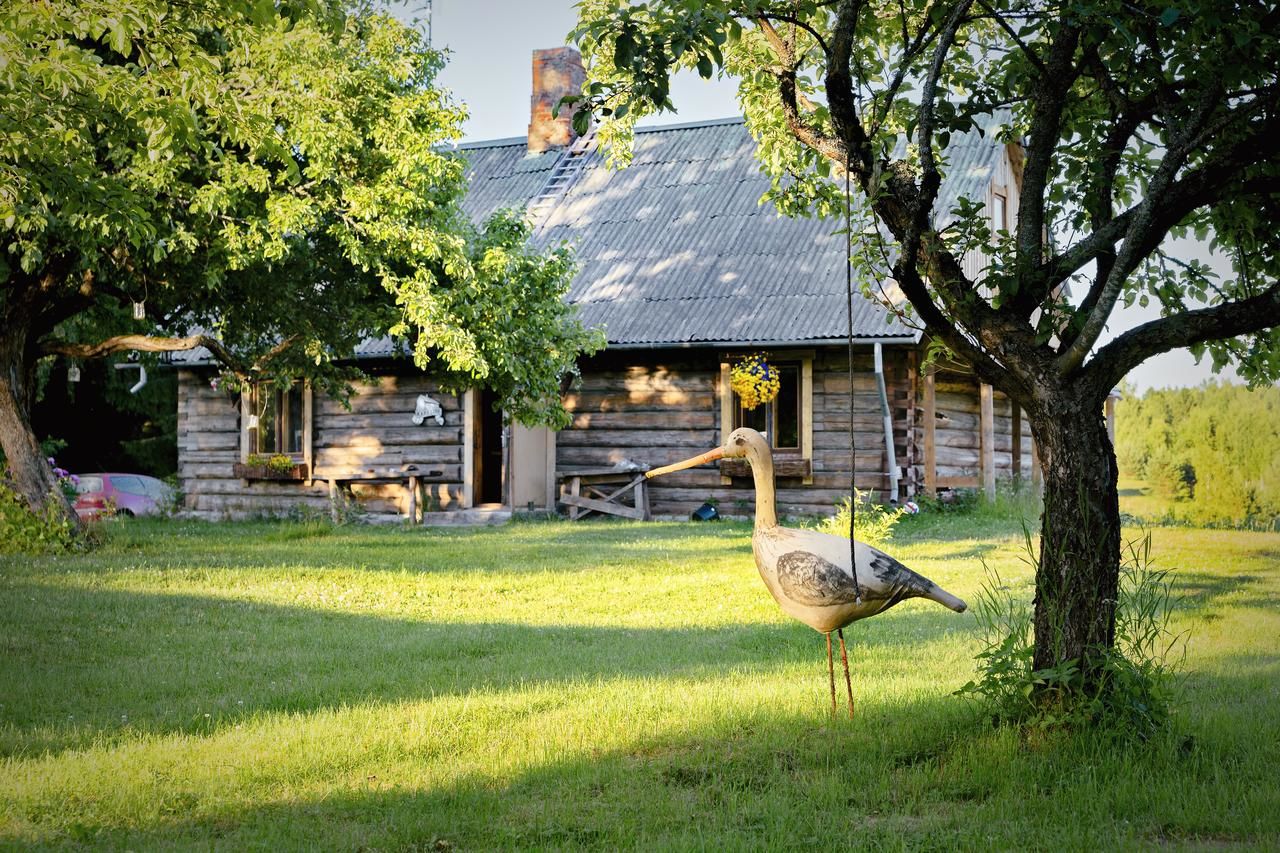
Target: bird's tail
(946, 599)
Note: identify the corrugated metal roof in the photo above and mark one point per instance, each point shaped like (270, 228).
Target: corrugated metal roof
(503, 174)
(676, 248)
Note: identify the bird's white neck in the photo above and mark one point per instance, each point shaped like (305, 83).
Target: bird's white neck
(761, 459)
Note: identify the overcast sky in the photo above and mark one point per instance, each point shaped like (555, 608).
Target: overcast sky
(491, 42)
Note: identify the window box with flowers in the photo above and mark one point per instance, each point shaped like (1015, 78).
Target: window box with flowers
(774, 396)
(276, 466)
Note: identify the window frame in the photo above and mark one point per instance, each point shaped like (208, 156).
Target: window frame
(730, 405)
(249, 437)
(1000, 206)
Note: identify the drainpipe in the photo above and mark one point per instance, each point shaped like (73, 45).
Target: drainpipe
(142, 375)
(888, 426)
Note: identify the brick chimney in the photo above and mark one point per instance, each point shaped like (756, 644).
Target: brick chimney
(557, 72)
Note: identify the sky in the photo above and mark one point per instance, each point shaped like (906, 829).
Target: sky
(491, 43)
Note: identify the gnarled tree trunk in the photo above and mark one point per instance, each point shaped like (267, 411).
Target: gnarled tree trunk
(1078, 575)
(28, 470)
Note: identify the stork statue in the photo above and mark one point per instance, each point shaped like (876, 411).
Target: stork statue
(808, 572)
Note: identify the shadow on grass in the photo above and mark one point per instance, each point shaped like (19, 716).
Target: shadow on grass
(919, 774)
(1196, 590)
(519, 547)
(88, 665)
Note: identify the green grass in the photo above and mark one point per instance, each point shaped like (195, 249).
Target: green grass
(1139, 500)
(547, 685)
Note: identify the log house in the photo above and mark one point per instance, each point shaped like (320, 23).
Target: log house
(687, 272)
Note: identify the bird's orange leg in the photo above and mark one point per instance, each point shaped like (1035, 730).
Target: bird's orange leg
(831, 672)
(844, 656)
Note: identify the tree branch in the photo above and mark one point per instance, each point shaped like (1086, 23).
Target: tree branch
(1151, 221)
(1049, 97)
(1227, 320)
(801, 129)
(838, 84)
(149, 343)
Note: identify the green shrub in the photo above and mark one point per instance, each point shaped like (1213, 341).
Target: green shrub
(873, 522)
(25, 532)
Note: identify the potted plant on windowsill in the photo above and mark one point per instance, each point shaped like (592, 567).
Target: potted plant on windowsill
(270, 466)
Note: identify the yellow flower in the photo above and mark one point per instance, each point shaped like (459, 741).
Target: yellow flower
(754, 381)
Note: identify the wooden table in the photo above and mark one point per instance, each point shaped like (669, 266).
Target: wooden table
(589, 490)
(410, 475)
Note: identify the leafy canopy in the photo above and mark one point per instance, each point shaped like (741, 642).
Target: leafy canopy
(1137, 122)
(277, 176)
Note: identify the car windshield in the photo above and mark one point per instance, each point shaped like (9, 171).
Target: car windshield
(89, 485)
(130, 485)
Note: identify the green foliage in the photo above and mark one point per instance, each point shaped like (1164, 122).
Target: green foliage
(1110, 93)
(1213, 450)
(278, 463)
(873, 522)
(1128, 689)
(25, 532)
(226, 163)
(506, 320)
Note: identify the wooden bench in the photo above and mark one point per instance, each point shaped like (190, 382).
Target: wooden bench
(601, 490)
(409, 474)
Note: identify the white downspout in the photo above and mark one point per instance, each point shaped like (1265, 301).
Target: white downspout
(142, 375)
(888, 426)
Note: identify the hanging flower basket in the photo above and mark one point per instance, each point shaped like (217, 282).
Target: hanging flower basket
(754, 380)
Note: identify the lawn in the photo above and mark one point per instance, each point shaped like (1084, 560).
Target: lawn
(548, 685)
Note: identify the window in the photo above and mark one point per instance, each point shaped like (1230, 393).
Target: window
(999, 212)
(89, 485)
(279, 425)
(276, 421)
(129, 485)
(787, 421)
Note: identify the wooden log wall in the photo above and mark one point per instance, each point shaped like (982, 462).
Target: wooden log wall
(659, 407)
(957, 408)
(374, 435)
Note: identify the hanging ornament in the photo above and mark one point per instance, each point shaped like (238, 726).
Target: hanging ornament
(755, 381)
(139, 310)
(73, 374)
(253, 421)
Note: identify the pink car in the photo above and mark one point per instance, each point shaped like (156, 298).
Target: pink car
(120, 494)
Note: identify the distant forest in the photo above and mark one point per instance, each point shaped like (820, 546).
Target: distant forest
(1212, 451)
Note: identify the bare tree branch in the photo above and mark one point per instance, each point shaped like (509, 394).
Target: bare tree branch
(1229, 319)
(1049, 96)
(149, 343)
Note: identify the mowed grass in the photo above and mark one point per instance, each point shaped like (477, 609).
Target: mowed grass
(551, 685)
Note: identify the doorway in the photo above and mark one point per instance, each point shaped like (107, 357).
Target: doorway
(487, 444)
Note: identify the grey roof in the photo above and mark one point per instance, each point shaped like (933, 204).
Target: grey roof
(676, 249)
(501, 174)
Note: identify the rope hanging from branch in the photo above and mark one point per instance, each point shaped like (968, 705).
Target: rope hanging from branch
(853, 444)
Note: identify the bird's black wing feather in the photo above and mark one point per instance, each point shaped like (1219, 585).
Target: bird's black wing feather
(808, 579)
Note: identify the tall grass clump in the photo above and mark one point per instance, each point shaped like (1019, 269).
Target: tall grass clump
(1129, 689)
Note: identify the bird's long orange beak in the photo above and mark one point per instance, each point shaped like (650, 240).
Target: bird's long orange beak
(702, 459)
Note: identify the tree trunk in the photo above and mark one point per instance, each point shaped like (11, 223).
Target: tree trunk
(28, 470)
(1079, 570)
